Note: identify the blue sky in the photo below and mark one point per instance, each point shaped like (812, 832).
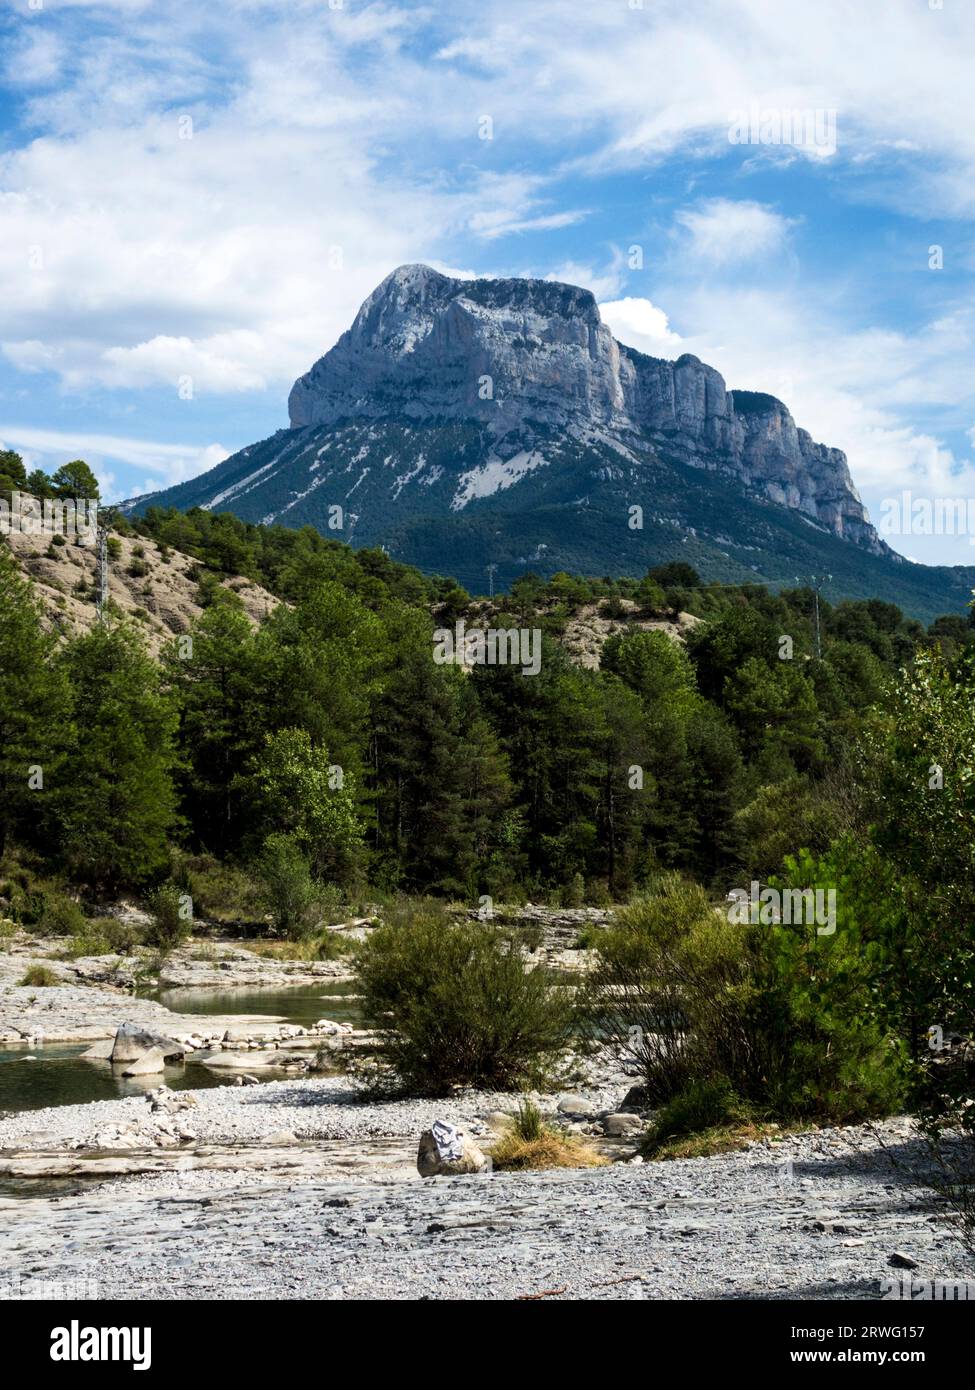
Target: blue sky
(197, 197)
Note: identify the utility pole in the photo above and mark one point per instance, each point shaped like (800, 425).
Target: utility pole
(101, 577)
(491, 570)
(817, 581)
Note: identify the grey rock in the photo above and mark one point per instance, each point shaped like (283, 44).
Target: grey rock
(620, 1126)
(146, 1064)
(635, 1096)
(429, 1164)
(901, 1261)
(576, 1106)
(132, 1040)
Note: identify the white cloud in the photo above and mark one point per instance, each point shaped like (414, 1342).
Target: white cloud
(165, 464)
(225, 362)
(641, 325)
(721, 231)
(602, 283)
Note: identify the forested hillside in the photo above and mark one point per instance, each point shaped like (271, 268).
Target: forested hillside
(324, 743)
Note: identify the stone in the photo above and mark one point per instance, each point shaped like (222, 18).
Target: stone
(901, 1261)
(99, 1051)
(637, 1097)
(146, 1065)
(131, 1041)
(576, 1105)
(620, 1126)
(237, 1061)
(163, 1101)
(498, 1121)
(430, 1164)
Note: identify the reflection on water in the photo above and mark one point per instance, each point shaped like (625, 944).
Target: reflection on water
(302, 1004)
(34, 1078)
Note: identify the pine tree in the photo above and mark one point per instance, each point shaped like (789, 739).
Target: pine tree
(34, 712)
(120, 803)
(440, 780)
(218, 672)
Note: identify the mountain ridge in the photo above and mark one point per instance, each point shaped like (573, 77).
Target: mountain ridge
(462, 423)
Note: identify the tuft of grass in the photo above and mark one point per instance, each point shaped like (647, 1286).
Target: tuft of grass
(528, 1122)
(530, 1143)
(700, 1106)
(324, 945)
(721, 1139)
(551, 1150)
(40, 975)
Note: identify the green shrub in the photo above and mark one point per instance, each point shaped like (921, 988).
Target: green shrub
(613, 607)
(650, 596)
(219, 890)
(701, 1105)
(170, 924)
(105, 936)
(46, 910)
(289, 889)
(457, 1008)
(783, 1014)
(574, 894)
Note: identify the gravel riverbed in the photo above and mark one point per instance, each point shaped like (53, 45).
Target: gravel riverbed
(817, 1216)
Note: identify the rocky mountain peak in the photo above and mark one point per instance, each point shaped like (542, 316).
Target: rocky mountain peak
(462, 422)
(516, 355)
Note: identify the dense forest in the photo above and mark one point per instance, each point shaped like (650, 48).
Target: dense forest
(323, 756)
(328, 734)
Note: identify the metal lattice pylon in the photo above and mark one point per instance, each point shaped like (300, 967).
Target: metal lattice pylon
(102, 574)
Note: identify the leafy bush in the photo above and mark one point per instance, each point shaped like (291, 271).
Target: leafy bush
(289, 888)
(46, 910)
(701, 1105)
(218, 889)
(457, 1008)
(574, 894)
(613, 607)
(105, 936)
(170, 925)
(779, 1013)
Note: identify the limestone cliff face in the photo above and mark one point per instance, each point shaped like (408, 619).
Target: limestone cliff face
(508, 355)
